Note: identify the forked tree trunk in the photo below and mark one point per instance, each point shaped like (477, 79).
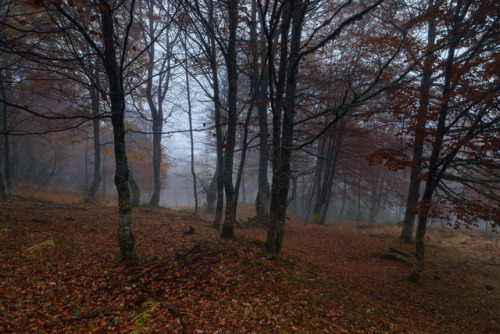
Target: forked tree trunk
(414, 188)
(283, 148)
(436, 168)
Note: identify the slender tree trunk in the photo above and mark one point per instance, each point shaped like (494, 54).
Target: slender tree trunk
(212, 194)
(117, 97)
(157, 158)
(243, 191)
(7, 188)
(195, 190)
(156, 105)
(281, 165)
(324, 193)
(344, 195)
(136, 192)
(318, 185)
(96, 180)
(418, 148)
(263, 192)
(276, 226)
(434, 175)
(260, 84)
(104, 176)
(232, 73)
(218, 126)
(374, 203)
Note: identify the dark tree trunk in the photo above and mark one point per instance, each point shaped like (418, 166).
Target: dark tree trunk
(96, 180)
(434, 175)
(344, 195)
(263, 192)
(156, 118)
(136, 192)
(212, 194)
(414, 188)
(325, 181)
(117, 97)
(157, 158)
(374, 202)
(232, 73)
(283, 140)
(218, 126)
(261, 101)
(191, 139)
(243, 190)
(7, 188)
(157, 87)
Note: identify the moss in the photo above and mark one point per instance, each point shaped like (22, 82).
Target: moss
(316, 218)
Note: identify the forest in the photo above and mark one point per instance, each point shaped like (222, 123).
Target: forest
(182, 166)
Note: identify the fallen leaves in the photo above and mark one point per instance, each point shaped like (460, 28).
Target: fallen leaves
(326, 280)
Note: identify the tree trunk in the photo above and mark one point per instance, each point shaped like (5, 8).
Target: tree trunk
(117, 97)
(218, 126)
(7, 188)
(276, 225)
(434, 175)
(212, 194)
(157, 158)
(136, 192)
(195, 190)
(284, 146)
(374, 202)
(155, 97)
(325, 191)
(263, 191)
(232, 73)
(96, 180)
(344, 195)
(414, 188)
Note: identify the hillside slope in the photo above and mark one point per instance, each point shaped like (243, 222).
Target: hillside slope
(60, 272)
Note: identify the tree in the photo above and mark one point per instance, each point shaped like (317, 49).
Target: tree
(283, 75)
(96, 180)
(112, 47)
(467, 110)
(421, 117)
(159, 77)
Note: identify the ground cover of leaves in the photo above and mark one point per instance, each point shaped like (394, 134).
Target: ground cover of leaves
(60, 272)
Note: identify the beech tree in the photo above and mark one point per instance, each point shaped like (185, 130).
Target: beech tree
(294, 45)
(467, 109)
(109, 39)
(156, 18)
(419, 132)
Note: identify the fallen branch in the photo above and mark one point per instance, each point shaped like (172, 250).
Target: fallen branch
(395, 257)
(397, 251)
(40, 220)
(65, 321)
(171, 310)
(489, 264)
(338, 256)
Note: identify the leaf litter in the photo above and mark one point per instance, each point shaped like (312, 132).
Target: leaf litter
(327, 280)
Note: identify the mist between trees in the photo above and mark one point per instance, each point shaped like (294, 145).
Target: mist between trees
(377, 111)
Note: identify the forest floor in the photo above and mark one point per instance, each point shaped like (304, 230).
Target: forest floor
(60, 272)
